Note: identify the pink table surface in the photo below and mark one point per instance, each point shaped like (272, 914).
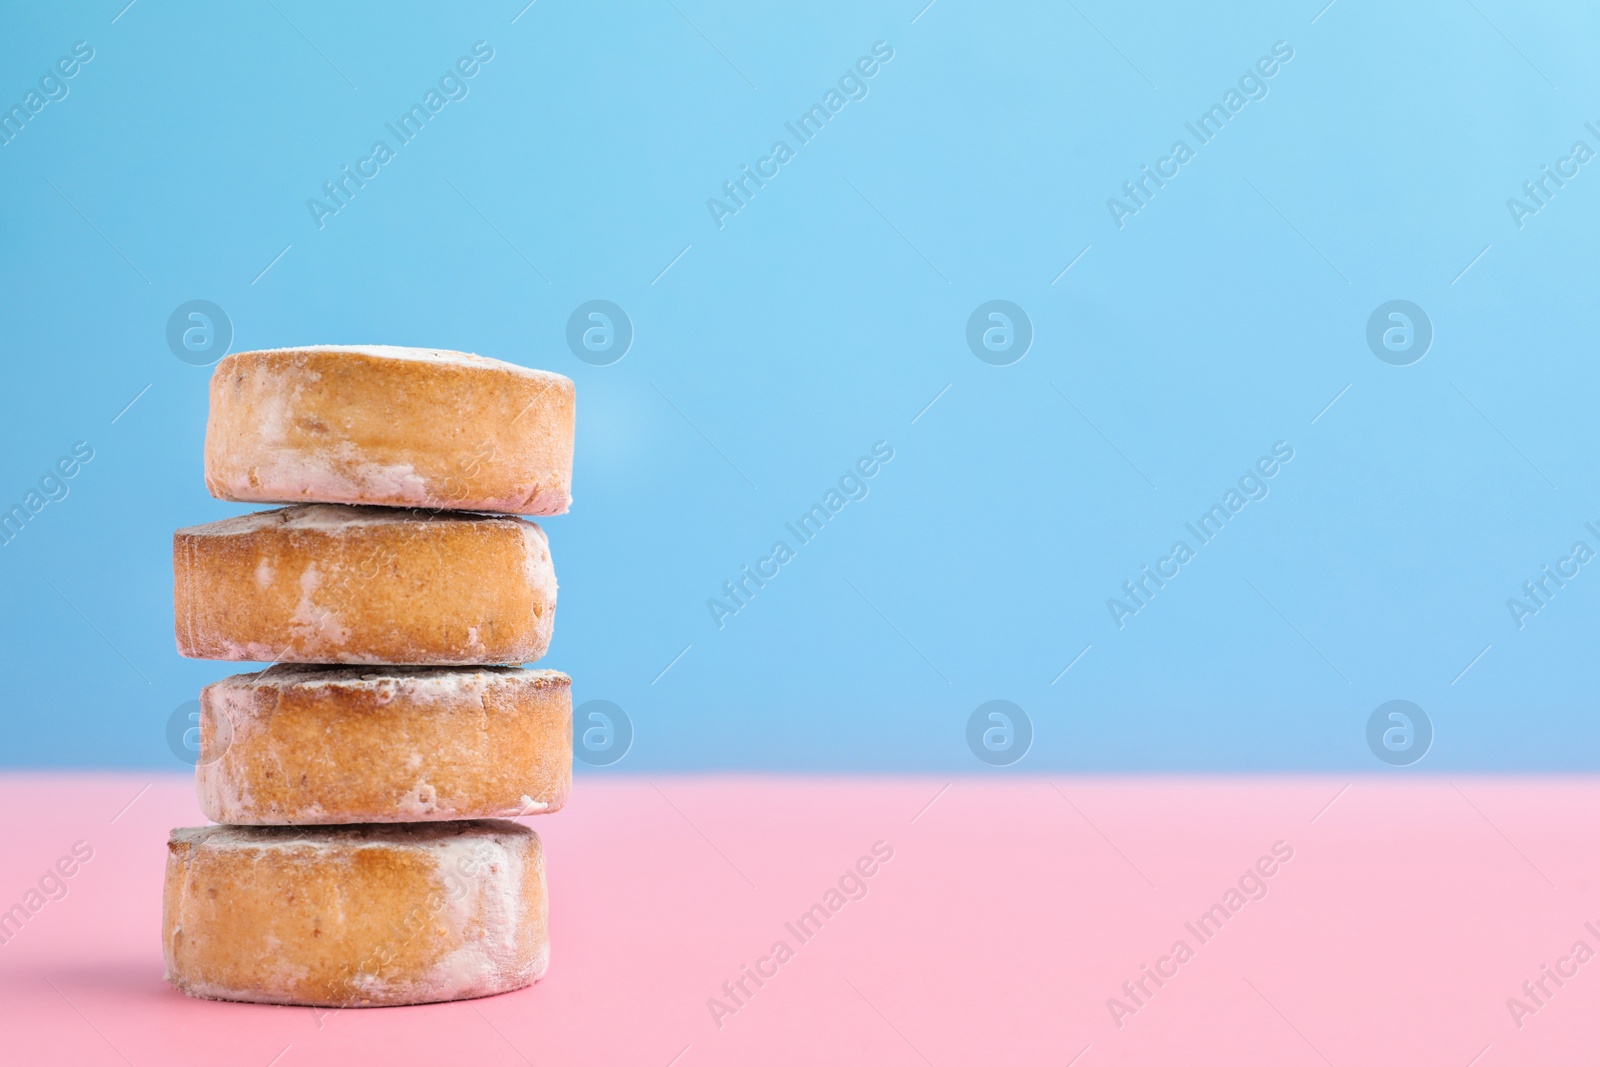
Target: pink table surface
(1013, 908)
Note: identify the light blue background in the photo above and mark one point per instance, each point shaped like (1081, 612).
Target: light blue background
(823, 318)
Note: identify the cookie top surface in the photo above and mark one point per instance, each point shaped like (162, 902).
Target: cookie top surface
(438, 356)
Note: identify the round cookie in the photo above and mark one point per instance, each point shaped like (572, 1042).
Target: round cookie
(330, 583)
(401, 427)
(355, 916)
(325, 745)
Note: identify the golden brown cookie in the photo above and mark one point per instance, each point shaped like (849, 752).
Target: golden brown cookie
(306, 745)
(401, 427)
(354, 916)
(330, 583)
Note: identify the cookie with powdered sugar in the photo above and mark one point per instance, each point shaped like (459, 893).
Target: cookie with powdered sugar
(305, 745)
(332, 583)
(399, 427)
(355, 916)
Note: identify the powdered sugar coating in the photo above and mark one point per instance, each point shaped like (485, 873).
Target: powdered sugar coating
(313, 745)
(425, 683)
(334, 583)
(390, 426)
(463, 913)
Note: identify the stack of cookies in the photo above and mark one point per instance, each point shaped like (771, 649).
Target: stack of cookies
(364, 781)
